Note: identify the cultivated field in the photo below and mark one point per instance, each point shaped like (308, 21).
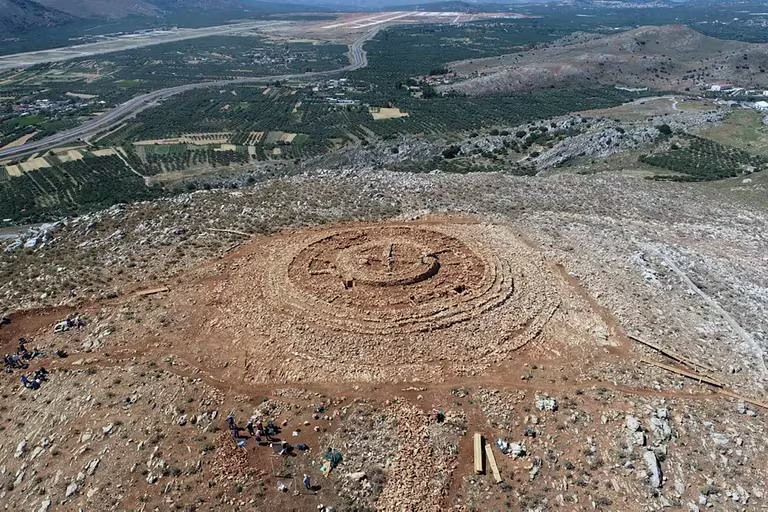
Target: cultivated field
(387, 113)
(742, 129)
(198, 139)
(21, 140)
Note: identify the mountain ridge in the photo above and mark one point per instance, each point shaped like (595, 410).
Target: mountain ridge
(18, 15)
(670, 57)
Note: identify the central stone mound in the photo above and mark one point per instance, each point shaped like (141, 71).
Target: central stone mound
(397, 262)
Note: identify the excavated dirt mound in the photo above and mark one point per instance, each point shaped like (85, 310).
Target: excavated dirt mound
(377, 302)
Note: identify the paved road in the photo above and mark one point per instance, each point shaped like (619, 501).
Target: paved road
(357, 59)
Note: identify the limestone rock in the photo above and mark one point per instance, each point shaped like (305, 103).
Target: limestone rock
(45, 505)
(71, 489)
(633, 424)
(654, 470)
(21, 449)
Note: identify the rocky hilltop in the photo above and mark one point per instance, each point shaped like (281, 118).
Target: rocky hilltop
(670, 57)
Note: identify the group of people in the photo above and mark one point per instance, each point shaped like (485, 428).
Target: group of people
(37, 378)
(19, 359)
(260, 432)
(71, 322)
(256, 430)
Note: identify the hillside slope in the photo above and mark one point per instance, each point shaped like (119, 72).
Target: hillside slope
(17, 15)
(100, 8)
(668, 57)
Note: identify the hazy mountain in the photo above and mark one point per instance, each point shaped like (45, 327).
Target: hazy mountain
(16, 15)
(21, 15)
(100, 8)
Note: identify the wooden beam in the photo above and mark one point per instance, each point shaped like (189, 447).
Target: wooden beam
(231, 231)
(672, 354)
(744, 399)
(685, 373)
(492, 462)
(153, 291)
(702, 378)
(478, 453)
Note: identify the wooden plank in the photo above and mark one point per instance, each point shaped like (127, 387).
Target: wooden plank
(492, 462)
(672, 354)
(478, 453)
(230, 231)
(153, 291)
(684, 373)
(751, 401)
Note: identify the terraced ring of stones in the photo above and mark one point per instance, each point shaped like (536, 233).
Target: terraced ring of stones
(386, 280)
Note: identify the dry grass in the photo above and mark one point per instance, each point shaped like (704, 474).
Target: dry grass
(69, 156)
(20, 141)
(199, 139)
(34, 164)
(104, 152)
(387, 113)
(82, 96)
(742, 129)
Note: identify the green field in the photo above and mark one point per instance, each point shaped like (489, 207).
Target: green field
(28, 121)
(127, 83)
(742, 129)
(699, 159)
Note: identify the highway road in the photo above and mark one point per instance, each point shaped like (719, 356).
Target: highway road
(357, 59)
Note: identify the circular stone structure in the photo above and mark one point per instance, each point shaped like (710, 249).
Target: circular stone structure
(387, 280)
(402, 298)
(394, 279)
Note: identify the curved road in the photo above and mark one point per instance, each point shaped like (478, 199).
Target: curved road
(357, 59)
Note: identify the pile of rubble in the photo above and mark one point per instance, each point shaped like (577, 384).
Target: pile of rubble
(229, 465)
(35, 236)
(367, 438)
(418, 476)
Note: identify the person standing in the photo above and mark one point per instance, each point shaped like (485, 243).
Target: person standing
(232, 426)
(307, 482)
